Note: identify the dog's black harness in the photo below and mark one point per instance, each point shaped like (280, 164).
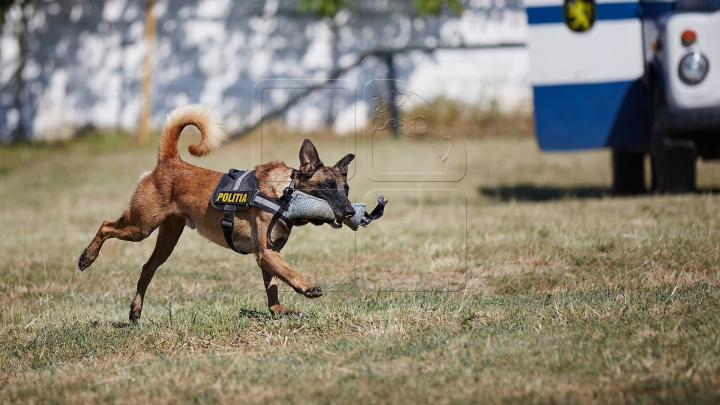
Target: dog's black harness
(238, 190)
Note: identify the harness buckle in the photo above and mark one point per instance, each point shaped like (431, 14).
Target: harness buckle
(227, 223)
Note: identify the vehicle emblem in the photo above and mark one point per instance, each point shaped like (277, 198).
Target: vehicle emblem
(579, 15)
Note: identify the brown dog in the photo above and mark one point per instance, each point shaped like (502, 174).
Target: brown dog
(177, 194)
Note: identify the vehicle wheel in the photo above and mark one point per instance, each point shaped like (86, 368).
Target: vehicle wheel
(673, 163)
(628, 172)
(673, 159)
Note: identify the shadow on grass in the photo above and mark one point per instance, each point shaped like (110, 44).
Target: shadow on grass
(253, 314)
(121, 325)
(526, 192)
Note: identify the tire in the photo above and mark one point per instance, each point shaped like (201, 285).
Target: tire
(673, 158)
(628, 172)
(674, 165)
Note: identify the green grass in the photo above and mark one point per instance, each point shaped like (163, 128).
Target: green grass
(528, 285)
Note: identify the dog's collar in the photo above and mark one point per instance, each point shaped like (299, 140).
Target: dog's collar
(292, 179)
(288, 191)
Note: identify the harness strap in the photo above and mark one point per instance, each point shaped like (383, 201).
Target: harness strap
(268, 205)
(277, 207)
(228, 224)
(240, 179)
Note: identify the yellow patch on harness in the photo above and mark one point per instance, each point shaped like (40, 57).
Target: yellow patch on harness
(231, 197)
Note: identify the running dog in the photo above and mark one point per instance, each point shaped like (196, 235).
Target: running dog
(177, 194)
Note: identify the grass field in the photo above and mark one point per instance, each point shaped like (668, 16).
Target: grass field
(524, 283)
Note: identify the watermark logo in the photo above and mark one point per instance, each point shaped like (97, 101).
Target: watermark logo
(407, 152)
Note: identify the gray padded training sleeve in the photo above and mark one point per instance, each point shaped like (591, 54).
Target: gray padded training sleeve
(354, 221)
(305, 206)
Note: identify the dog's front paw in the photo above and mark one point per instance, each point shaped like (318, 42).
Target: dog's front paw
(313, 292)
(86, 260)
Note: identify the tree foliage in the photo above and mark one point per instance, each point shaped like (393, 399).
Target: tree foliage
(4, 6)
(434, 7)
(329, 8)
(322, 8)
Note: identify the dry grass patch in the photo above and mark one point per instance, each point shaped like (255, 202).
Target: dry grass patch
(571, 296)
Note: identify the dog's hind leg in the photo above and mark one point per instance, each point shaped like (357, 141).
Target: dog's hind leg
(168, 235)
(271, 289)
(134, 225)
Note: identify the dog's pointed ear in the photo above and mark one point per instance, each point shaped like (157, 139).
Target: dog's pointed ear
(309, 159)
(343, 163)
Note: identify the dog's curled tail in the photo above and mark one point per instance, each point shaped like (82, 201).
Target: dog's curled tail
(199, 116)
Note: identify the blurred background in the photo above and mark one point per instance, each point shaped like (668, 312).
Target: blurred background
(72, 66)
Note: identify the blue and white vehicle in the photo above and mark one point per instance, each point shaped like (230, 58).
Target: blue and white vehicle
(636, 76)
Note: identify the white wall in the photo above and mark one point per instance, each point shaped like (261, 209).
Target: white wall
(84, 59)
